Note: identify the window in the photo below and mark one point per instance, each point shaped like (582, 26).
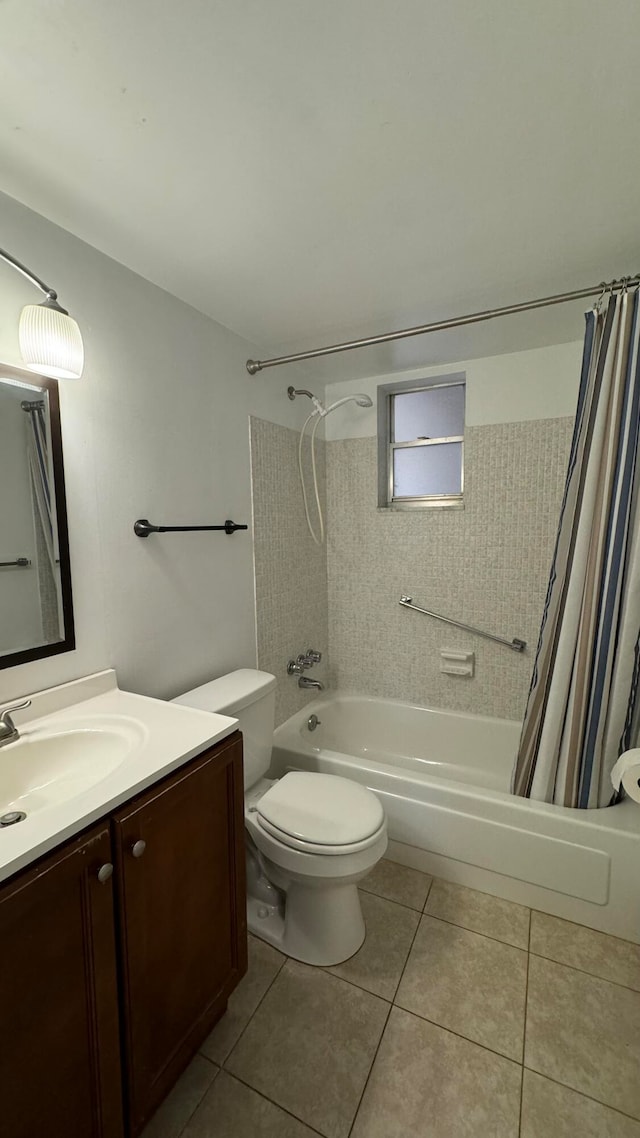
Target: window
(421, 442)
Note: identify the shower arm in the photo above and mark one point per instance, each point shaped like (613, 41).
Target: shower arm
(293, 391)
(361, 400)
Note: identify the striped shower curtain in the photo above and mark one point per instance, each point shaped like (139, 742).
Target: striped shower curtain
(582, 710)
(41, 477)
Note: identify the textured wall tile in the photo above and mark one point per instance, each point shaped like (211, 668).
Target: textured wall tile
(486, 565)
(290, 570)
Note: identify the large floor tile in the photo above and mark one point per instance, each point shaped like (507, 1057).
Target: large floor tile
(176, 1110)
(398, 883)
(479, 912)
(552, 1111)
(428, 1083)
(310, 1046)
(585, 1033)
(232, 1110)
(264, 964)
(379, 963)
(579, 947)
(467, 983)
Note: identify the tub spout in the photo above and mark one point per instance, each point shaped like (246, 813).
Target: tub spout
(307, 682)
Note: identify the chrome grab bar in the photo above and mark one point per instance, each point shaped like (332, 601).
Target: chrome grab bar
(515, 644)
(20, 562)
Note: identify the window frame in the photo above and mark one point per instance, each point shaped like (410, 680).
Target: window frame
(387, 446)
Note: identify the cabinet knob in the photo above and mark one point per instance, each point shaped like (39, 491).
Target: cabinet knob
(105, 872)
(138, 848)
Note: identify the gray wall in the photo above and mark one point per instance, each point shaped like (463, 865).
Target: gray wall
(157, 427)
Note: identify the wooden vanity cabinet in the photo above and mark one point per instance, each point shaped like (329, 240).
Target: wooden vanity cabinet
(181, 907)
(59, 1041)
(109, 981)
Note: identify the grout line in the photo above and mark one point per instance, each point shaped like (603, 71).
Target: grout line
(258, 1005)
(391, 1006)
(473, 1042)
(279, 1106)
(576, 924)
(404, 968)
(336, 976)
(202, 1055)
(426, 900)
(366, 1082)
(583, 1094)
(487, 936)
(524, 1030)
(392, 900)
(583, 972)
(200, 1100)
(521, 1101)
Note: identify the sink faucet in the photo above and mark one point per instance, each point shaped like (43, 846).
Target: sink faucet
(307, 682)
(8, 730)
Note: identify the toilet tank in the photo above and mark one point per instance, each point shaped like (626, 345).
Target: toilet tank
(250, 697)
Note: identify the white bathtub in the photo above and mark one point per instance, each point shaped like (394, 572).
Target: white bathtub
(443, 778)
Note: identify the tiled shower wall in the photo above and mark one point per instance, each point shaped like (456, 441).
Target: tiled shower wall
(486, 565)
(290, 570)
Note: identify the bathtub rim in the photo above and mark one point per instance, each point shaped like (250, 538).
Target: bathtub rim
(624, 817)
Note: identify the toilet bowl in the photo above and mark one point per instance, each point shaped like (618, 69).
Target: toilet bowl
(310, 837)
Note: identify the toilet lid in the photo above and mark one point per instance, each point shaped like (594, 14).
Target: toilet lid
(322, 809)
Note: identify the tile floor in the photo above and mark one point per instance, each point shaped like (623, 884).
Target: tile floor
(462, 1016)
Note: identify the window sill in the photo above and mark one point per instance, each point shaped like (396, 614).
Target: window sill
(411, 507)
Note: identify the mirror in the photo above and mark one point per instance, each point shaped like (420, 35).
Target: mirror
(36, 613)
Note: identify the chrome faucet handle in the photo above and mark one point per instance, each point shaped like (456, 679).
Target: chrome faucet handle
(8, 729)
(312, 656)
(304, 661)
(295, 667)
(7, 712)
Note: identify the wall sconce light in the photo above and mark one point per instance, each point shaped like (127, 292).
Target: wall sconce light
(50, 339)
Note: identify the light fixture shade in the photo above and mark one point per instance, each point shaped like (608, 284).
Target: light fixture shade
(50, 341)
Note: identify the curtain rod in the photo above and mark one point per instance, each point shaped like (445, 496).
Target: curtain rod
(254, 366)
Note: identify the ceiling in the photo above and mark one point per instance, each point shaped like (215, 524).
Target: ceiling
(307, 171)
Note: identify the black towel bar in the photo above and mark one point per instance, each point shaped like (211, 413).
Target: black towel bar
(142, 528)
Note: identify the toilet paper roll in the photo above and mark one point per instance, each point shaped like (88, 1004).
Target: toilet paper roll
(627, 772)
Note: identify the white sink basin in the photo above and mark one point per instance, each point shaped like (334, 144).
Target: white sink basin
(47, 766)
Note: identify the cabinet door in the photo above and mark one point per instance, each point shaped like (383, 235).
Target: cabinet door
(59, 1045)
(182, 914)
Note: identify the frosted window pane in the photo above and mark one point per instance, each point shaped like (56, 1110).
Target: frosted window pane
(420, 471)
(435, 413)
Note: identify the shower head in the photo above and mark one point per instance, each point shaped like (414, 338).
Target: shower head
(361, 400)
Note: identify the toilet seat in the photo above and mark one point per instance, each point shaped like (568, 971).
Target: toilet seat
(314, 847)
(320, 813)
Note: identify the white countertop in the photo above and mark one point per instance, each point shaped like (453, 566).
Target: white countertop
(171, 735)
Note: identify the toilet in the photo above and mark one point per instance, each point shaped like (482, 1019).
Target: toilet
(310, 837)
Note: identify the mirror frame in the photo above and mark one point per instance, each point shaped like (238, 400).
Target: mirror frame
(68, 643)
